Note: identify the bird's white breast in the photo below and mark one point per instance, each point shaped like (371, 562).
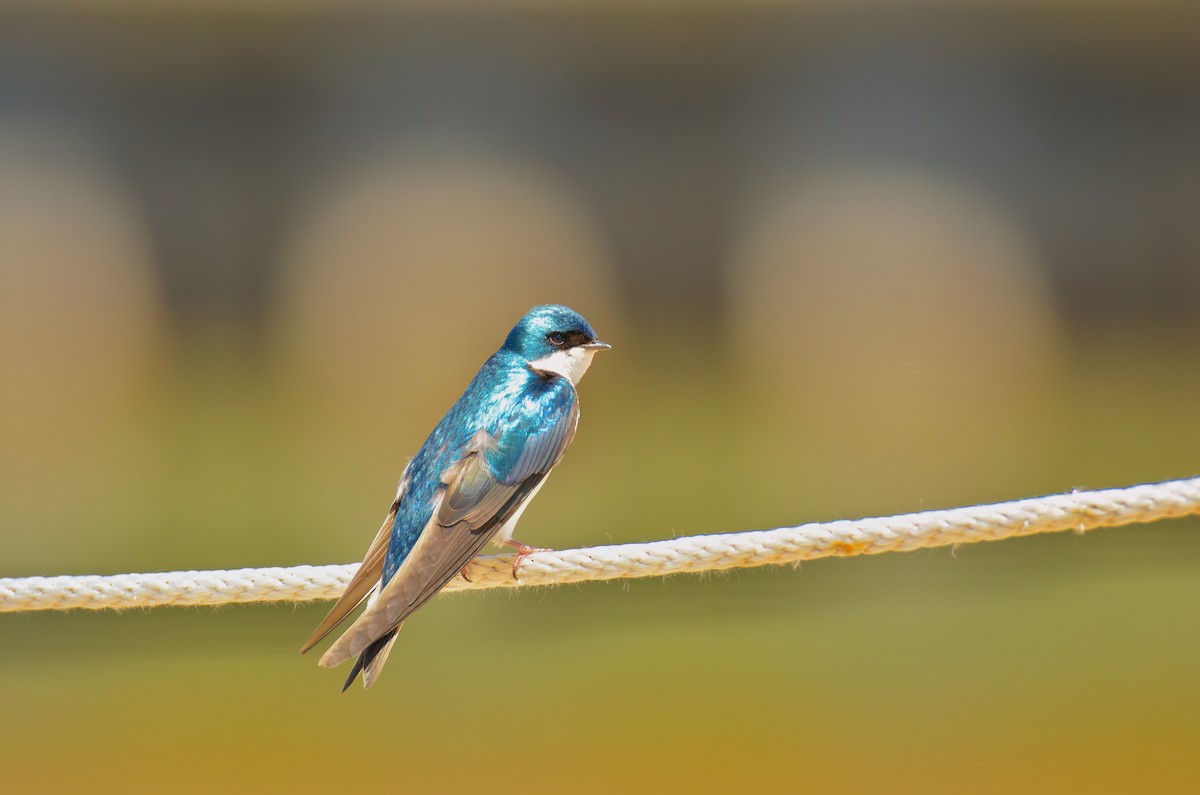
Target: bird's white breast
(571, 364)
(506, 530)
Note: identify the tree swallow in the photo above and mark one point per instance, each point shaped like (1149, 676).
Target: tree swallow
(469, 482)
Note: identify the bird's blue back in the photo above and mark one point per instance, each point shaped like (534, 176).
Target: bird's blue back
(508, 400)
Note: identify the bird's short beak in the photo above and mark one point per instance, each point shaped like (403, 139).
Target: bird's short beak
(596, 345)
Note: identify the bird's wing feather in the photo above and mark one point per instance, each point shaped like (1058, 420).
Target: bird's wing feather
(473, 495)
(366, 578)
(542, 450)
(476, 502)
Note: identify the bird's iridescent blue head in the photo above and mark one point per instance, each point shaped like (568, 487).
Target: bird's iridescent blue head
(555, 339)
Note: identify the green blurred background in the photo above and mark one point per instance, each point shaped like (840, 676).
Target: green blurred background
(854, 258)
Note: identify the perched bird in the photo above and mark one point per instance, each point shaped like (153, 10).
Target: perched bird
(469, 482)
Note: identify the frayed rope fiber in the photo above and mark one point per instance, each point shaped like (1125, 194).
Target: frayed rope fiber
(1078, 511)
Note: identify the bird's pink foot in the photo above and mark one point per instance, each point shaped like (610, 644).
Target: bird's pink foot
(523, 551)
(463, 573)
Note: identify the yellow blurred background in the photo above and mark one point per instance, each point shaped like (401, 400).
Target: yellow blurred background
(854, 259)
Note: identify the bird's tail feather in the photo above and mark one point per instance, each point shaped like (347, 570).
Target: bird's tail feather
(371, 661)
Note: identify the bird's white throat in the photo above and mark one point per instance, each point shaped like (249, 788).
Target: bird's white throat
(571, 364)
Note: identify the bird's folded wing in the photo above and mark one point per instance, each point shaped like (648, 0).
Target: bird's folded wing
(483, 490)
(439, 554)
(366, 578)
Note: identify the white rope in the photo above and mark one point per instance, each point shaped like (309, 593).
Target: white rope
(1079, 511)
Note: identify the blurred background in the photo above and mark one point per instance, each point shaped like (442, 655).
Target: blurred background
(854, 258)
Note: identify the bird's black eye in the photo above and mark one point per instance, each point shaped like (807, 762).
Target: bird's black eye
(557, 338)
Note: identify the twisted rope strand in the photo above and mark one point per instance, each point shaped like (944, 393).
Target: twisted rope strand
(1079, 511)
